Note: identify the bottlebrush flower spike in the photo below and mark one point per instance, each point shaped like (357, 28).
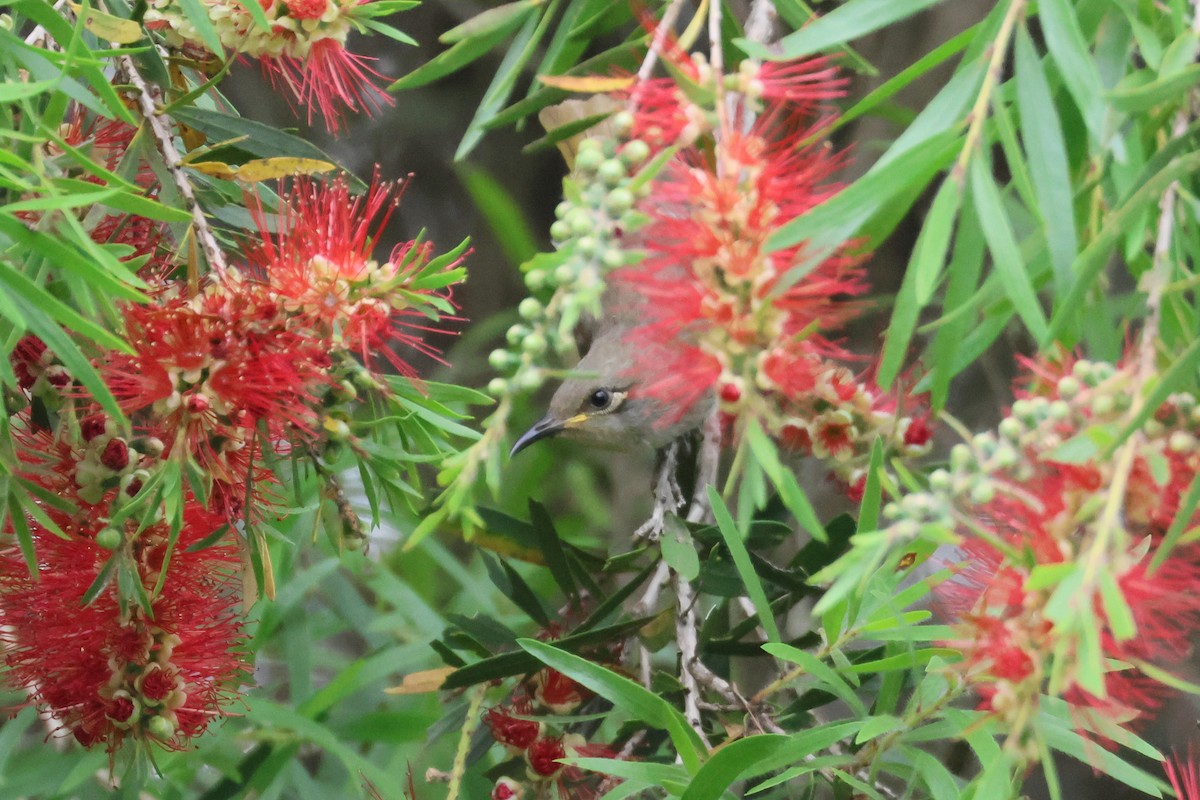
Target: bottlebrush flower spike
(106, 671)
(729, 314)
(207, 369)
(317, 257)
(303, 51)
(1040, 503)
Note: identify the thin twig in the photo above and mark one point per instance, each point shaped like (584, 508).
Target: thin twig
(760, 22)
(687, 637)
(991, 79)
(661, 32)
(147, 99)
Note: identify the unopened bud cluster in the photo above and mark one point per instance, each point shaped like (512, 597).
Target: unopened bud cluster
(294, 25)
(591, 236)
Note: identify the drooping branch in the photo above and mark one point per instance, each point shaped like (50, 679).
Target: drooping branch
(147, 96)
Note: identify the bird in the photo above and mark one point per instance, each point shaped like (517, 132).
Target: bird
(609, 398)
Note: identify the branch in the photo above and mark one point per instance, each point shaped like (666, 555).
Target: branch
(147, 99)
(661, 32)
(991, 79)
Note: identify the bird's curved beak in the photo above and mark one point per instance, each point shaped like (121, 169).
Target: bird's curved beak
(546, 427)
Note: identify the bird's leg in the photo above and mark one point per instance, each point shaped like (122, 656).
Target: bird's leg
(667, 495)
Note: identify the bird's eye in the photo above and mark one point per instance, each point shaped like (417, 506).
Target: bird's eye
(600, 399)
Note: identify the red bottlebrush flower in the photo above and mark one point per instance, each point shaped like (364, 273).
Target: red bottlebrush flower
(1184, 775)
(105, 675)
(306, 9)
(804, 84)
(543, 757)
(918, 433)
(209, 368)
(557, 692)
(29, 360)
(330, 80)
(507, 789)
(303, 50)
(318, 261)
(92, 426)
(508, 730)
(115, 455)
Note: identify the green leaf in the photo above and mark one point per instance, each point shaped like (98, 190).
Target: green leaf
(501, 212)
(741, 560)
(731, 763)
(1139, 98)
(827, 677)
(626, 695)
(1089, 264)
(197, 15)
(1116, 608)
(255, 138)
(462, 53)
(552, 549)
(1069, 49)
(502, 18)
(1042, 135)
(1059, 736)
(508, 664)
(1183, 518)
(1006, 254)
(845, 23)
(35, 295)
(678, 549)
(833, 222)
(920, 278)
(790, 492)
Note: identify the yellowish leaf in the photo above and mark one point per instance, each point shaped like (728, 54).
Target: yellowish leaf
(429, 680)
(106, 26)
(263, 169)
(591, 84)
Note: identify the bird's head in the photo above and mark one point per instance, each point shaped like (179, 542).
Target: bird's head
(601, 404)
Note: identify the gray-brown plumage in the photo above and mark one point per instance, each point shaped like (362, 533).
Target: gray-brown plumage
(606, 401)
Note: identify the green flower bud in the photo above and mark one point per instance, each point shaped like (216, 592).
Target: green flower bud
(534, 344)
(619, 201)
(635, 151)
(529, 308)
(588, 159)
(611, 172)
(562, 209)
(497, 387)
(1068, 386)
(581, 222)
(564, 274)
(1011, 429)
(160, 727)
(535, 279)
(983, 492)
(517, 333)
(500, 359)
(1102, 405)
(939, 480)
(109, 538)
(622, 122)
(960, 457)
(612, 258)
(560, 231)
(586, 246)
